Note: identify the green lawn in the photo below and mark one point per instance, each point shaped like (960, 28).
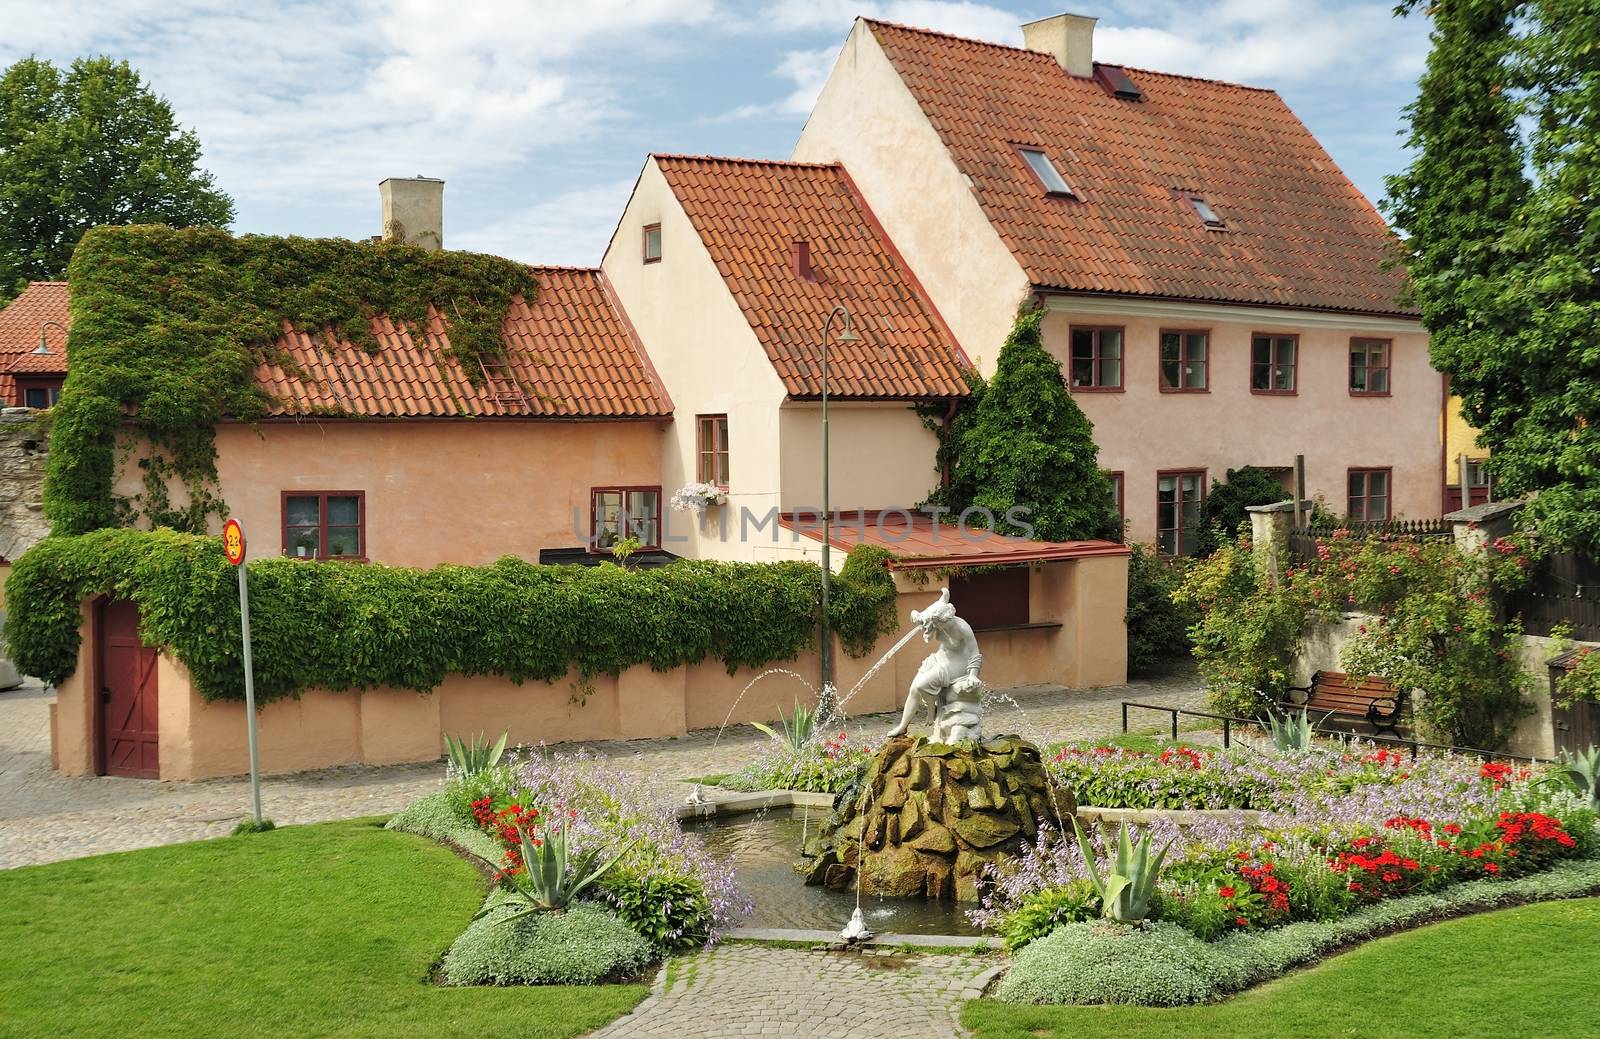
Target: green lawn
(1525, 972)
(327, 930)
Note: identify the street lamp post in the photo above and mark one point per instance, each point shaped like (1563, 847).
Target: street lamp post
(846, 335)
(44, 346)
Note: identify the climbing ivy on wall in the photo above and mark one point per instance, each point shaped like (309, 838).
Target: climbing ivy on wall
(347, 626)
(167, 326)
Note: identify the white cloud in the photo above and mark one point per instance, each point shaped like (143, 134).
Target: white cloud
(962, 18)
(572, 227)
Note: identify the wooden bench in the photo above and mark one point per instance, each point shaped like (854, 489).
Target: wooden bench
(1380, 704)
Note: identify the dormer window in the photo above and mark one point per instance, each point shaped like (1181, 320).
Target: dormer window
(1054, 183)
(1208, 216)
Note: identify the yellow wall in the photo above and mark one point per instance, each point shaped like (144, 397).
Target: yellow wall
(1459, 438)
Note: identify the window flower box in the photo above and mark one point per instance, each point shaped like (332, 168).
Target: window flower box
(697, 497)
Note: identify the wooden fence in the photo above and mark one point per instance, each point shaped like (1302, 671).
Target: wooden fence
(1563, 589)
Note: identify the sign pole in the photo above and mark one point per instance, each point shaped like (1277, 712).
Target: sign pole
(233, 545)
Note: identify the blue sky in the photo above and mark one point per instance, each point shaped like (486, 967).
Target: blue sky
(539, 114)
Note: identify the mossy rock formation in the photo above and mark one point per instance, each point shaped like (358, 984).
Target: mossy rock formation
(932, 815)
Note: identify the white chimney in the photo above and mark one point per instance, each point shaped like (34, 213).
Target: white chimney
(413, 211)
(1069, 38)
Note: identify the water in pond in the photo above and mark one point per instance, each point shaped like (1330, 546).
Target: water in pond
(765, 847)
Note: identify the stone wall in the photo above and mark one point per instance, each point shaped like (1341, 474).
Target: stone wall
(22, 455)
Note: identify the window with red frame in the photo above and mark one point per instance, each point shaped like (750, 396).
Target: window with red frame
(1096, 358)
(1369, 494)
(324, 524)
(652, 243)
(1179, 496)
(624, 512)
(713, 446)
(1272, 363)
(1185, 360)
(40, 394)
(1116, 491)
(1369, 367)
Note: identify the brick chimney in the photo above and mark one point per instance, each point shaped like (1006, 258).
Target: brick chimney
(413, 211)
(1069, 38)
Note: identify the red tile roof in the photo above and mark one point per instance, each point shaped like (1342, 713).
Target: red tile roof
(918, 543)
(572, 350)
(1299, 234)
(21, 321)
(750, 213)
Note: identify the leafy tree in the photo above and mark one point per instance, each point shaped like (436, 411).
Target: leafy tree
(86, 146)
(1223, 512)
(1502, 230)
(1022, 442)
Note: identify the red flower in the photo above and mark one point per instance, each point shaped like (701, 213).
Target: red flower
(1226, 892)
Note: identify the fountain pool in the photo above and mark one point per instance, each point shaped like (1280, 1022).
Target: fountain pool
(765, 846)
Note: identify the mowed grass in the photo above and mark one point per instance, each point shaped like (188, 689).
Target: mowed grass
(1524, 972)
(325, 930)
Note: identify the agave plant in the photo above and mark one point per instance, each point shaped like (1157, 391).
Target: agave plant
(468, 759)
(1126, 891)
(1581, 771)
(552, 876)
(1291, 731)
(797, 728)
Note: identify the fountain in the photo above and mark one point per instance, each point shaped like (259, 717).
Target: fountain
(931, 812)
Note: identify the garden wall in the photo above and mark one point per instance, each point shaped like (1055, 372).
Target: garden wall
(1077, 640)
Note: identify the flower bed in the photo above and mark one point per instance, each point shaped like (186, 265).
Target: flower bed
(821, 765)
(665, 887)
(1341, 831)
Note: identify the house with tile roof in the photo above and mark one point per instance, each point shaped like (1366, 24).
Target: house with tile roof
(404, 457)
(729, 268)
(1216, 289)
(33, 346)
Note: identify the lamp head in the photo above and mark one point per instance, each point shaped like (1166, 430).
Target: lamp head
(848, 333)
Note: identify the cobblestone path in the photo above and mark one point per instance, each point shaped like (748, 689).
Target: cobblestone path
(45, 816)
(751, 990)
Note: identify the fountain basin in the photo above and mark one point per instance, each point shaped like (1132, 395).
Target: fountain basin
(765, 846)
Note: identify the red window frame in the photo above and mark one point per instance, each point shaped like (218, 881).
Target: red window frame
(1183, 335)
(1118, 488)
(1097, 359)
(1387, 367)
(624, 529)
(644, 243)
(1366, 496)
(50, 387)
(323, 524)
(1178, 530)
(712, 464)
(1273, 363)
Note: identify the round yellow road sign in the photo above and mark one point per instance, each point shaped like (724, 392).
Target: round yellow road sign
(233, 541)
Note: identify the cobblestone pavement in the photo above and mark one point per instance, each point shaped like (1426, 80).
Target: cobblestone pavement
(45, 816)
(752, 990)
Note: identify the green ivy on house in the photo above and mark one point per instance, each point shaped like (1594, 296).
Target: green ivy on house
(348, 626)
(168, 325)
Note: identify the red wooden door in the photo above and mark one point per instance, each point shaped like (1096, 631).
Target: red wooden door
(129, 733)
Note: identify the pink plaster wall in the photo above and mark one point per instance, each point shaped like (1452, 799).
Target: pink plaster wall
(1141, 430)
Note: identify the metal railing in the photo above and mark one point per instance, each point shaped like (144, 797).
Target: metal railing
(1229, 721)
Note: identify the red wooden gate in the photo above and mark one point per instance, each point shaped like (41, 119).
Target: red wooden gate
(129, 741)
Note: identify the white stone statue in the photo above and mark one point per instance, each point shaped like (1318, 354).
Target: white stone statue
(947, 682)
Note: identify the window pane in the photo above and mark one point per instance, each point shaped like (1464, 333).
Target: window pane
(1046, 171)
(344, 541)
(1189, 541)
(607, 518)
(303, 511)
(1378, 484)
(1358, 379)
(652, 243)
(642, 509)
(36, 398)
(1171, 372)
(344, 510)
(1378, 381)
(1191, 487)
(1171, 347)
(304, 542)
(1111, 343)
(1167, 542)
(1261, 350)
(1111, 371)
(1358, 484)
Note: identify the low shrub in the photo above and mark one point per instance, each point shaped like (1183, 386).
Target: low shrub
(583, 945)
(435, 818)
(1043, 911)
(670, 910)
(1164, 965)
(348, 626)
(1158, 964)
(1158, 625)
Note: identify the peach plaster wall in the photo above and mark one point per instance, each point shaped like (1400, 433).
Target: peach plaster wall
(1081, 645)
(446, 491)
(1141, 430)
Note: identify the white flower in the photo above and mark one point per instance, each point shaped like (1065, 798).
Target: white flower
(696, 497)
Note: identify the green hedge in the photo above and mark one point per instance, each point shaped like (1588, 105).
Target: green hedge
(348, 626)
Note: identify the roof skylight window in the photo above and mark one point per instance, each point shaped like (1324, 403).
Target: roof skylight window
(1208, 216)
(1054, 183)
